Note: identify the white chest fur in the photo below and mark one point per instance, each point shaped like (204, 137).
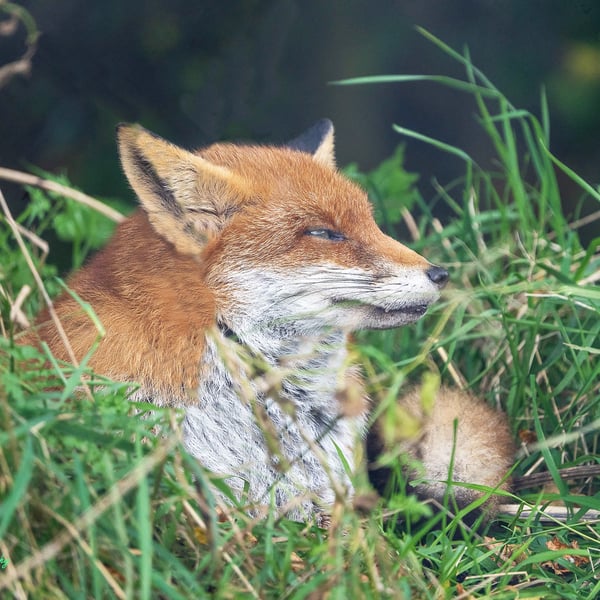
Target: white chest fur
(282, 444)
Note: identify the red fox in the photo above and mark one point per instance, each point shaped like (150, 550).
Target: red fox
(273, 247)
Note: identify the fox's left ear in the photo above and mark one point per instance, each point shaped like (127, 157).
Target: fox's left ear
(318, 141)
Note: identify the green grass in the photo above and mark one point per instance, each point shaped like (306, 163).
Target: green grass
(94, 505)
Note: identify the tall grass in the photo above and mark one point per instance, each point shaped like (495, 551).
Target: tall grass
(95, 504)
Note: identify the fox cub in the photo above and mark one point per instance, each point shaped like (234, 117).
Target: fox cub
(269, 250)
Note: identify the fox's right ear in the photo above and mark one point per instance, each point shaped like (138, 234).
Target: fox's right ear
(318, 141)
(186, 197)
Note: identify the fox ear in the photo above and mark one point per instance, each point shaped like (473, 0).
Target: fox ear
(184, 195)
(318, 141)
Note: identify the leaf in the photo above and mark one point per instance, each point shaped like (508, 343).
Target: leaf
(201, 535)
(390, 186)
(576, 560)
(505, 554)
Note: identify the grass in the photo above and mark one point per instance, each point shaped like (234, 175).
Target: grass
(93, 505)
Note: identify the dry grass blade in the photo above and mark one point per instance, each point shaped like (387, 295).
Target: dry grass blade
(112, 582)
(113, 495)
(16, 314)
(38, 280)
(52, 186)
(35, 239)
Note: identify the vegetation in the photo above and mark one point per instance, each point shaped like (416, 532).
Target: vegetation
(95, 503)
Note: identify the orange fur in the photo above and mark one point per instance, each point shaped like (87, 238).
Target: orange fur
(153, 306)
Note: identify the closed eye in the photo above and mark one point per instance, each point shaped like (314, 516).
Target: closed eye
(326, 234)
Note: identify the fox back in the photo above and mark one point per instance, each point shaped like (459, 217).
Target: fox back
(235, 249)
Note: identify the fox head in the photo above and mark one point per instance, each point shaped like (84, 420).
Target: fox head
(280, 237)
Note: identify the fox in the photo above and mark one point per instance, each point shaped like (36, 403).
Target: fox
(266, 250)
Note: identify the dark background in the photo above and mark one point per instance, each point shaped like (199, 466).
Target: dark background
(196, 72)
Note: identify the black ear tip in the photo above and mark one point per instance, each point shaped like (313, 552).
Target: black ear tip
(323, 124)
(313, 137)
(321, 128)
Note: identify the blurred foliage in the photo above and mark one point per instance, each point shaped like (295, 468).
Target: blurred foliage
(390, 187)
(202, 71)
(72, 230)
(79, 227)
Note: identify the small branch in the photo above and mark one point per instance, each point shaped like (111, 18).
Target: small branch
(535, 479)
(21, 66)
(63, 190)
(547, 514)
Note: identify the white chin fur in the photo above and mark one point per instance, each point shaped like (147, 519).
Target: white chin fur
(328, 296)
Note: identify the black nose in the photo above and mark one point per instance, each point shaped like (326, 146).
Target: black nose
(438, 275)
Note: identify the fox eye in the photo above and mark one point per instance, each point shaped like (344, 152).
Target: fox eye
(326, 234)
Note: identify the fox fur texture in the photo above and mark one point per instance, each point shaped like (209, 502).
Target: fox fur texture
(262, 250)
(459, 440)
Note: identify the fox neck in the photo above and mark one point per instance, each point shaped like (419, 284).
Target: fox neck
(304, 368)
(266, 422)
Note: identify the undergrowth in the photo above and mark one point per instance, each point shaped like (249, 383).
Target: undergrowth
(95, 504)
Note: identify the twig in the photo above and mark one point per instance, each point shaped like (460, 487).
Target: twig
(52, 186)
(550, 513)
(535, 479)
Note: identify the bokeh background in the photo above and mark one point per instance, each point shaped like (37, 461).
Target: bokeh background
(201, 71)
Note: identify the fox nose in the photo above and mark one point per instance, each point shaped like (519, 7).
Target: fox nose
(437, 275)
